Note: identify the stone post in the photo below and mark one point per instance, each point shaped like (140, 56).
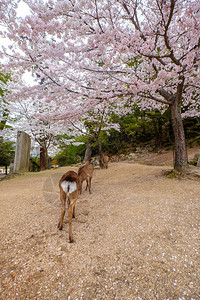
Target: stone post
(22, 153)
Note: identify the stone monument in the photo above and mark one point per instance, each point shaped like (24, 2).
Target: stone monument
(22, 153)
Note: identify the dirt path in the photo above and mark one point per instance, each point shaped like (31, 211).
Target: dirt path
(136, 237)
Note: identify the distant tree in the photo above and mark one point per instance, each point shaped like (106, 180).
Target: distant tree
(28, 117)
(94, 123)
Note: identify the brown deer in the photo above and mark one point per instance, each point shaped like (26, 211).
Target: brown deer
(85, 173)
(114, 158)
(121, 157)
(69, 188)
(105, 160)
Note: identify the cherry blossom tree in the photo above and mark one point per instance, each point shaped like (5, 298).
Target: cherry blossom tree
(91, 51)
(94, 122)
(28, 116)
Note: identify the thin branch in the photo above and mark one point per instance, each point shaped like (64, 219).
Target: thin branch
(195, 86)
(50, 78)
(173, 58)
(193, 48)
(97, 17)
(135, 23)
(111, 19)
(80, 130)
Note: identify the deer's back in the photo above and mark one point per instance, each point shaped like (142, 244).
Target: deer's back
(105, 159)
(70, 176)
(86, 171)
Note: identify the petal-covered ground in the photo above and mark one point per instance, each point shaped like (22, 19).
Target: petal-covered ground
(137, 236)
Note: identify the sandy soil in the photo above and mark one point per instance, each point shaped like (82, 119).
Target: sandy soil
(137, 236)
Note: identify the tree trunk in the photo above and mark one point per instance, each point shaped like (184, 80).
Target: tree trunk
(43, 159)
(100, 152)
(180, 154)
(88, 152)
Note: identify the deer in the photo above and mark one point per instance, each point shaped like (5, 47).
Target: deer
(114, 158)
(105, 160)
(85, 173)
(121, 157)
(69, 185)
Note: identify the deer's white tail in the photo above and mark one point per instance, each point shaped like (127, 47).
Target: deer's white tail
(69, 187)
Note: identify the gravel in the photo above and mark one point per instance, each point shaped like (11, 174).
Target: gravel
(137, 236)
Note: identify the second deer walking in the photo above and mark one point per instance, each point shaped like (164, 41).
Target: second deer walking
(85, 173)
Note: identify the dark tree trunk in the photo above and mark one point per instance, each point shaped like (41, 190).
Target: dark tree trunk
(175, 101)
(88, 152)
(100, 153)
(43, 159)
(180, 153)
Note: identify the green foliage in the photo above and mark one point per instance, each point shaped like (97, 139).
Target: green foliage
(3, 81)
(174, 174)
(192, 131)
(35, 164)
(100, 63)
(147, 128)
(7, 152)
(71, 154)
(139, 128)
(4, 113)
(134, 63)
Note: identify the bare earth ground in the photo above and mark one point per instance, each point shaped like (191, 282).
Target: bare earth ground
(136, 237)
